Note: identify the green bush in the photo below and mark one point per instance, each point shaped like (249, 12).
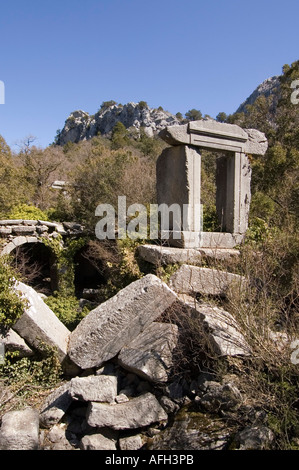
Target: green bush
(11, 304)
(67, 309)
(27, 212)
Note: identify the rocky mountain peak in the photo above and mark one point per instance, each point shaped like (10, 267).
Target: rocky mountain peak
(80, 125)
(269, 87)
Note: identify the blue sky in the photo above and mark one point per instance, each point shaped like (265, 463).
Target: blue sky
(59, 56)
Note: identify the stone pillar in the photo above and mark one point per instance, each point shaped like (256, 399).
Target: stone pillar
(179, 182)
(233, 194)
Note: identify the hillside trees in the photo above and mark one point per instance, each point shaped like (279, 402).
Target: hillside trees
(12, 187)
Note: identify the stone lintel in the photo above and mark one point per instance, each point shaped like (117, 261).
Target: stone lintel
(209, 134)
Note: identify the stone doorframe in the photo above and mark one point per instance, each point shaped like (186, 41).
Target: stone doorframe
(179, 179)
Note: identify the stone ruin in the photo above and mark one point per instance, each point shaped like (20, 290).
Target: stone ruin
(179, 180)
(123, 340)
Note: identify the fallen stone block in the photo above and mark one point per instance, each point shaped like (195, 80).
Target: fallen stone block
(149, 355)
(193, 279)
(136, 413)
(39, 324)
(13, 342)
(55, 406)
(162, 255)
(102, 388)
(220, 331)
(20, 430)
(115, 323)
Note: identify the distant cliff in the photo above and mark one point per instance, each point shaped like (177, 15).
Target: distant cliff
(269, 87)
(134, 116)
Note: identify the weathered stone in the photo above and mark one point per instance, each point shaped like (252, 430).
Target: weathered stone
(212, 134)
(225, 241)
(131, 443)
(39, 324)
(192, 279)
(168, 405)
(55, 406)
(102, 388)
(178, 182)
(20, 240)
(11, 222)
(8, 248)
(150, 353)
(42, 229)
(97, 442)
(162, 255)
(255, 438)
(20, 430)
(5, 231)
(220, 397)
(121, 398)
(257, 143)
(116, 322)
(192, 431)
(30, 222)
(57, 438)
(33, 240)
(220, 330)
(23, 229)
(47, 224)
(138, 412)
(13, 342)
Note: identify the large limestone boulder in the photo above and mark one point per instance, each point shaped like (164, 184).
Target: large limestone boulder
(20, 430)
(39, 325)
(149, 355)
(115, 323)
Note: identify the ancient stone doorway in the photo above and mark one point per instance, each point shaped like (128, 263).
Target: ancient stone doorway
(179, 180)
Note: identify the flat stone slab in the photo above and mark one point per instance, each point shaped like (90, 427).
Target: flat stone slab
(115, 323)
(102, 388)
(150, 354)
(193, 279)
(162, 255)
(20, 430)
(136, 413)
(39, 324)
(221, 330)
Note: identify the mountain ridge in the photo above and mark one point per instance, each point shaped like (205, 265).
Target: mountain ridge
(80, 125)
